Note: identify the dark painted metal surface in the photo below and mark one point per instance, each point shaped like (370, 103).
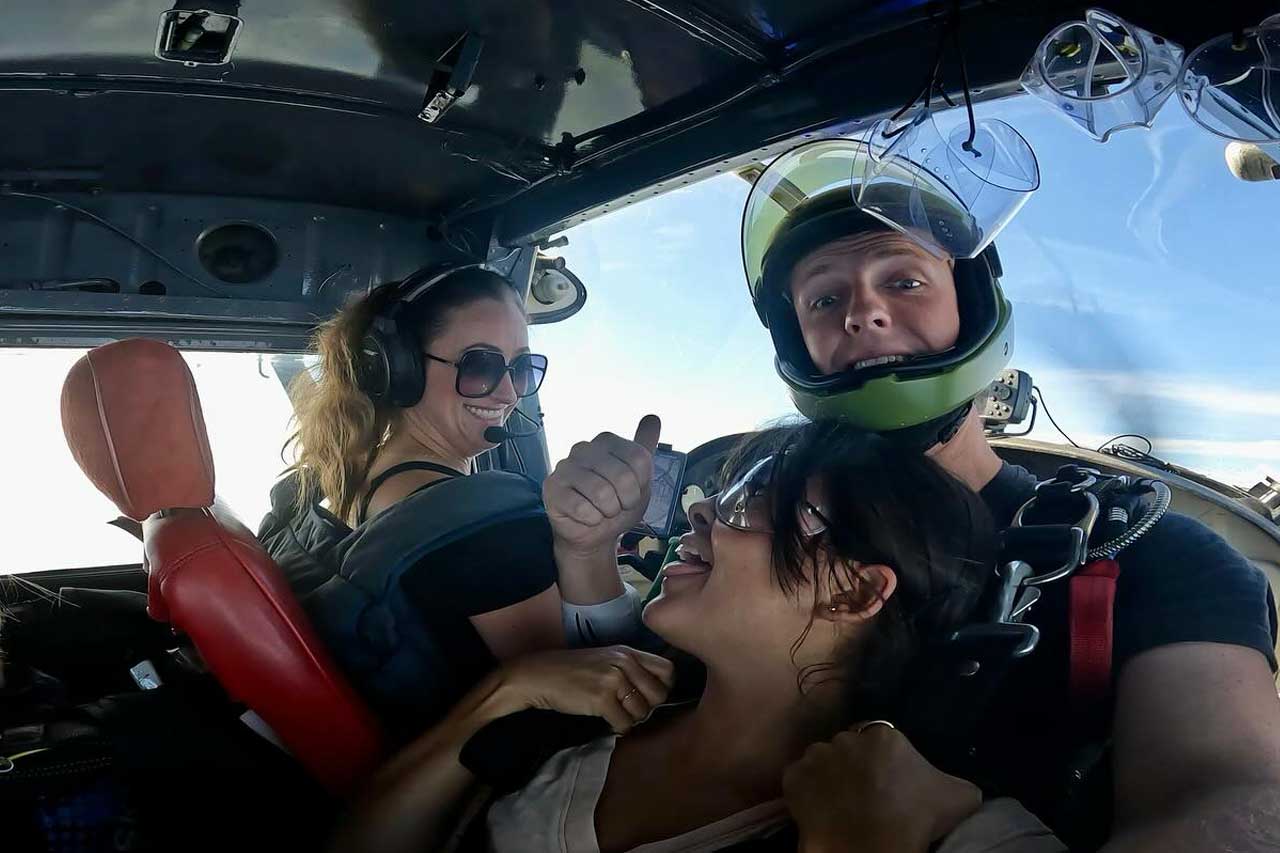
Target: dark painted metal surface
(849, 72)
(323, 253)
(743, 41)
(320, 98)
(307, 77)
(787, 23)
(330, 89)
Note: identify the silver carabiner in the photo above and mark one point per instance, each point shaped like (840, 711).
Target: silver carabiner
(1080, 532)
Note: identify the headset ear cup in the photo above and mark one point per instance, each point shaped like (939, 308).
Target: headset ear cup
(406, 377)
(372, 359)
(408, 373)
(372, 369)
(389, 365)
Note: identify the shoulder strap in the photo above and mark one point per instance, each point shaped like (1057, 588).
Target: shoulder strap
(1091, 620)
(416, 465)
(1120, 515)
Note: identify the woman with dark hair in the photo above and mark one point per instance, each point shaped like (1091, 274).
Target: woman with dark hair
(827, 568)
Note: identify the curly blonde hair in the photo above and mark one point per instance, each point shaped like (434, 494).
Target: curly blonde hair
(340, 429)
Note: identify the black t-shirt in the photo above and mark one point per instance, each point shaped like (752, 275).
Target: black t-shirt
(1180, 583)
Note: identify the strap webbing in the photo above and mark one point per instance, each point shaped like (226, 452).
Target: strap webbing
(1090, 622)
(416, 465)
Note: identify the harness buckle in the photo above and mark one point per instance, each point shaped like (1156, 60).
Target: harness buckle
(1073, 537)
(992, 644)
(987, 647)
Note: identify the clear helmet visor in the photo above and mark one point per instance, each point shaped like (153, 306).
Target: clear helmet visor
(1103, 73)
(949, 192)
(803, 174)
(951, 201)
(1231, 85)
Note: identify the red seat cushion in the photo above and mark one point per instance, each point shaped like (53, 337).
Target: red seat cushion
(212, 581)
(133, 421)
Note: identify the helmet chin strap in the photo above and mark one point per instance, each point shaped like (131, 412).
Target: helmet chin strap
(931, 433)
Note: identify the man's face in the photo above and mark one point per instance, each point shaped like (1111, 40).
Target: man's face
(873, 295)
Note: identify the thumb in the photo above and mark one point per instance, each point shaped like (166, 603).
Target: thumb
(648, 431)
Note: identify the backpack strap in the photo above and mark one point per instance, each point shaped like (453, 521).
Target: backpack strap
(416, 465)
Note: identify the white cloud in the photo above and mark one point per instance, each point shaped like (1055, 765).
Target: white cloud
(675, 232)
(1266, 450)
(1239, 463)
(1070, 301)
(1205, 393)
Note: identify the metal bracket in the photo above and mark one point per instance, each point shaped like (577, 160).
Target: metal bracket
(1080, 532)
(452, 77)
(199, 33)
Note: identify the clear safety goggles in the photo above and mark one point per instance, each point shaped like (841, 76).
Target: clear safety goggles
(747, 503)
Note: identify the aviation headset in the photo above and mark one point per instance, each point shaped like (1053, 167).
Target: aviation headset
(389, 362)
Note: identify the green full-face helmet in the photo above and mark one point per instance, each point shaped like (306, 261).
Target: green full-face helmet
(808, 198)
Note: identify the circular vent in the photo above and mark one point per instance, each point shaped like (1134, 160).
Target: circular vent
(238, 252)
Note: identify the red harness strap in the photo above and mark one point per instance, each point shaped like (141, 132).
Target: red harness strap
(1090, 620)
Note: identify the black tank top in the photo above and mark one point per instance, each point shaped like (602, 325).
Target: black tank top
(449, 473)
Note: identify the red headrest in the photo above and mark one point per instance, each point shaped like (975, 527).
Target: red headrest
(132, 419)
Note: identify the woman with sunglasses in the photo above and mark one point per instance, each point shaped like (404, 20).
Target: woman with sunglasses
(808, 588)
(411, 382)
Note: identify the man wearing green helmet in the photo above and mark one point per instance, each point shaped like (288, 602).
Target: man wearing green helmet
(885, 308)
(803, 236)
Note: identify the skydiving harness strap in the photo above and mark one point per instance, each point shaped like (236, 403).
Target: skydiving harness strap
(1071, 529)
(1114, 512)
(1093, 517)
(1091, 625)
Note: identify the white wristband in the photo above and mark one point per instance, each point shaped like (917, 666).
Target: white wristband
(603, 624)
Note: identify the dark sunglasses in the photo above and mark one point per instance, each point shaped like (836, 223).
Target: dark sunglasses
(480, 372)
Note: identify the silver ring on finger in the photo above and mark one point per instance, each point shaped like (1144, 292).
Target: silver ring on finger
(869, 723)
(625, 696)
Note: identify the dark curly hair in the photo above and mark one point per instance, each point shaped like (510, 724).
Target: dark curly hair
(884, 504)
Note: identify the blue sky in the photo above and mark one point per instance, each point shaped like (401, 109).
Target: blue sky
(1143, 274)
